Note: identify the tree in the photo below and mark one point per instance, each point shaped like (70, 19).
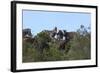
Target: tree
(42, 39)
(80, 45)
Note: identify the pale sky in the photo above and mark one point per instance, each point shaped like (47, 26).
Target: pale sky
(47, 20)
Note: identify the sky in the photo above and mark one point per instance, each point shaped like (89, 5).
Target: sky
(47, 20)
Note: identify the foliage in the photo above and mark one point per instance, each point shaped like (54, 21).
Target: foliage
(80, 45)
(45, 49)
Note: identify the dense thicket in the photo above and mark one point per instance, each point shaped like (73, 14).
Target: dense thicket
(45, 49)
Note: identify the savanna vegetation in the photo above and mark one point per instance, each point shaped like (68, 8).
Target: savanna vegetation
(44, 48)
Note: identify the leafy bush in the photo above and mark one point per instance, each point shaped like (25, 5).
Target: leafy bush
(80, 45)
(45, 49)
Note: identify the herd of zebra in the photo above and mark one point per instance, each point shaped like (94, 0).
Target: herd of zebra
(54, 34)
(62, 36)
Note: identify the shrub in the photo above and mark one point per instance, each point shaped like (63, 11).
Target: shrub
(45, 49)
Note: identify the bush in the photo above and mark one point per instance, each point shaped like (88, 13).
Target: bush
(80, 46)
(45, 49)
